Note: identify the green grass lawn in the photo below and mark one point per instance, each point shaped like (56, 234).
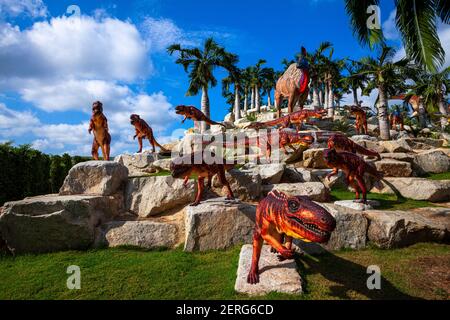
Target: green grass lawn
(387, 201)
(439, 176)
(419, 271)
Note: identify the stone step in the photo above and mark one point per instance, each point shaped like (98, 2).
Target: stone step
(275, 276)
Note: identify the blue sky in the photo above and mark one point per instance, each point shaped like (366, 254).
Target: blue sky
(52, 67)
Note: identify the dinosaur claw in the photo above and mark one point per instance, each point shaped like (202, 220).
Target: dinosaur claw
(253, 278)
(194, 204)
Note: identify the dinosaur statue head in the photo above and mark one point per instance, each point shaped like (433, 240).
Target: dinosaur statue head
(303, 219)
(97, 108)
(184, 110)
(134, 118)
(330, 156)
(302, 62)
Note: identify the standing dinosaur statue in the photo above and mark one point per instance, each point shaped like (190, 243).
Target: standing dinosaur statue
(293, 84)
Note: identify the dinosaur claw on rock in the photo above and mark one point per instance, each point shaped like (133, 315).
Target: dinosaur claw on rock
(253, 278)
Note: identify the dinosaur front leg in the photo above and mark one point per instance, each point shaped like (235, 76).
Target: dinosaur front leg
(185, 117)
(274, 241)
(332, 173)
(253, 275)
(201, 186)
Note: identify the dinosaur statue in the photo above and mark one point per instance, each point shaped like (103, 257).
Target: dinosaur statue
(278, 216)
(283, 138)
(354, 168)
(414, 101)
(102, 137)
(143, 130)
(191, 112)
(361, 119)
(396, 118)
(340, 143)
(294, 118)
(293, 84)
(187, 166)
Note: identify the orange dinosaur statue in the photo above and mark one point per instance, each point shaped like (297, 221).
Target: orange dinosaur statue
(293, 84)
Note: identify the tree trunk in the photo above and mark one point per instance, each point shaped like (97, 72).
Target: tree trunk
(330, 101)
(422, 115)
(252, 100)
(246, 100)
(269, 100)
(205, 109)
(321, 98)
(325, 98)
(257, 100)
(355, 96)
(444, 113)
(315, 102)
(237, 103)
(383, 122)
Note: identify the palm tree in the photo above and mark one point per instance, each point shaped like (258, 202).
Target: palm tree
(331, 70)
(316, 71)
(234, 78)
(354, 80)
(258, 74)
(246, 85)
(432, 88)
(200, 64)
(268, 84)
(415, 19)
(386, 76)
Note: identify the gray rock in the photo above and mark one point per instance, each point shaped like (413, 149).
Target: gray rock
(270, 173)
(313, 158)
(95, 177)
(394, 168)
(316, 191)
(362, 137)
(218, 224)
(418, 188)
(433, 161)
(350, 204)
(245, 184)
(394, 229)
(296, 175)
(275, 276)
(371, 145)
(393, 146)
(55, 223)
(351, 228)
(150, 196)
(143, 234)
(139, 163)
(399, 156)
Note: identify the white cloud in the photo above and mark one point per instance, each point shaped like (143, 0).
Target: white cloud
(14, 123)
(389, 27)
(14, 8)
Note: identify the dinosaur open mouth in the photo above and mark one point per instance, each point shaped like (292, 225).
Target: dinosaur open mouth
(311, 227)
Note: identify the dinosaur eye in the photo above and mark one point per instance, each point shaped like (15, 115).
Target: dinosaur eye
(293, 206)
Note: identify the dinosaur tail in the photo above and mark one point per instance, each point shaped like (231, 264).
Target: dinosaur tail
(160, 146)
(213, 123)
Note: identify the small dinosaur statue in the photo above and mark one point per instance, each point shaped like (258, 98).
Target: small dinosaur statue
(295, 118)
(361, 119)
(354, 168)
(188, 165)
(191, 112)
(340, 143)
(278, 216)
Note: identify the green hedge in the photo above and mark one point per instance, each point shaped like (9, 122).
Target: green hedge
(25, 172)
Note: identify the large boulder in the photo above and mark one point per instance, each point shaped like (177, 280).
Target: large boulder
(316, 191)
(351, 228)
(394, 168)
(139, 163)
(433, 161)
(150, 196)
(418, 188)
(275, 275)
(143, 234)
(296, 175)
(270, 173)
(393, 146)
(95, 177)
(394, 229)
(313, 158)
(218, 224)
(425, 143)
(371, 145)
(55, 223)
(399, 156)
(246, 185)
(363, 137)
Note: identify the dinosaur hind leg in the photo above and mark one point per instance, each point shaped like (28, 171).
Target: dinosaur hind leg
(224, 181)
(201, 186)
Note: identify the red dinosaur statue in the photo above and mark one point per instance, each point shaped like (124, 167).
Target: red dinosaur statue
(279, 216)
(191, 112)
(340, 143)
(354, 168)
(102, 138)
(396, 118)
(294, 118)
(285, 138)
(361, 119)
(186, 166)
(143, 130)
(293, 84)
